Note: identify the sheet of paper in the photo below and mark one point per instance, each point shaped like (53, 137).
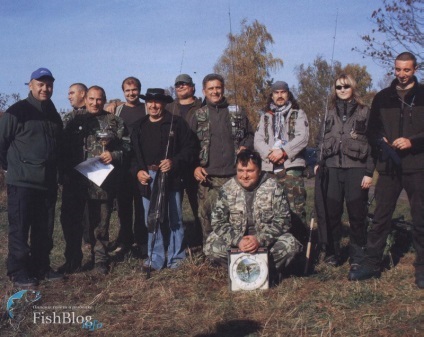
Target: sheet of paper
(94, 170)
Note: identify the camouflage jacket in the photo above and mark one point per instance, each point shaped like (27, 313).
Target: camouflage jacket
(81, 142)
(241, 131)
(296, 129)
(271, 212)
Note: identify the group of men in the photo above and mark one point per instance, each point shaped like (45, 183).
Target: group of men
(162, 147)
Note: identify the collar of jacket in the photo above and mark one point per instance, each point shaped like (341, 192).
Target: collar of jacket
(412, 92)
(221, 105)
(41, 106)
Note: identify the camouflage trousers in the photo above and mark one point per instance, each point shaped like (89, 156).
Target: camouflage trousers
(207, 195)
(294, 187)
(281, 253)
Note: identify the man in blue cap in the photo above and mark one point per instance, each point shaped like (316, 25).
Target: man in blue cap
(30, 133)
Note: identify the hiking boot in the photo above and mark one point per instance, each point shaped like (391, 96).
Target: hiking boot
(69, 268)
(101, 268)
(51, 275)
(364, 273)
(419, 277)
(24, 281)
(332, 261)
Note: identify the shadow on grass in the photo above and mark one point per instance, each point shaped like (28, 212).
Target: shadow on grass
(235, 328)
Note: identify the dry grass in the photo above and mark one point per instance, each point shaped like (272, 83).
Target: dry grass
(195, 301)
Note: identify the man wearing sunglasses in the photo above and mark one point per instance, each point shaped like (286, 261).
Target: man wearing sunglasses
(397, 120)
(185, 106)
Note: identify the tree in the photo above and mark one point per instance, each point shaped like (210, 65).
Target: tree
(399, 28)
(7, 100)
(246, 66)
(315, 84)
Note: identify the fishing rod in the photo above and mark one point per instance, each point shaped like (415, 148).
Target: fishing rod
(160, 206)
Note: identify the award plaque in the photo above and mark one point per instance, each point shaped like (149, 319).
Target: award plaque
(248, 271)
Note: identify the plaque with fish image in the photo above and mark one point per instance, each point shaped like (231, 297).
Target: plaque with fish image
(248, 271)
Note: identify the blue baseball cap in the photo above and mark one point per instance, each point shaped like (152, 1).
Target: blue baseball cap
(41, 72)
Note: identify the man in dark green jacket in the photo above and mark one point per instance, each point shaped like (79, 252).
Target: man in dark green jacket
(30, 133)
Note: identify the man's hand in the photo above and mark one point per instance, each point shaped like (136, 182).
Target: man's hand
(277, 155)
(249, 244)
(200, 174)
(402, 143)
(106, 157)
(111, 107)
(241, 148)
(366, 182)
(165, 165)
(143, 177)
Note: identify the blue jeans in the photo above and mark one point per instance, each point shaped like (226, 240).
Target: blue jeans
(176, 251)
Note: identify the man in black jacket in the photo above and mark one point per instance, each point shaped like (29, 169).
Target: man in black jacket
(30, 133)
(162, 143)
(396, 119)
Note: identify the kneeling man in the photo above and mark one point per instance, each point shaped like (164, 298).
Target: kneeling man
(252, 211)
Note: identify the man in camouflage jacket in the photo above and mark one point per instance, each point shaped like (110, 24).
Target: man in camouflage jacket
(251, 212)
(82, 142)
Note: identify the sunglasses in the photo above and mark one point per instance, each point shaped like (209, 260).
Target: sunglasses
(340, 87)
(181, 84)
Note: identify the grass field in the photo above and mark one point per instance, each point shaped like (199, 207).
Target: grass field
(195, 301)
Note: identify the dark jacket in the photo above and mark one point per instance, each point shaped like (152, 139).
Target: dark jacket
(81, 143)
(30, 136)
(346, 144)
(392, 118)
(175, 108)
(221, 131)
(181, 149)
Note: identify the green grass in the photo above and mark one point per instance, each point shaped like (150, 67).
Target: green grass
(195, 300)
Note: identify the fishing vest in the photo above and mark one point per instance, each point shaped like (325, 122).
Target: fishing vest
(348, 139)
(238, 131)
(291, 125)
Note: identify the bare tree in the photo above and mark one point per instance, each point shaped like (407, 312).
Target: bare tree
(399, 28)
(7, 100)
(246, 66)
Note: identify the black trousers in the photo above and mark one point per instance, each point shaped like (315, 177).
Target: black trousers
(31, 216)
(128, 198)
(345, 184)
(387, 192)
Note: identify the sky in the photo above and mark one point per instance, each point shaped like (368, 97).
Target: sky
(101, 42)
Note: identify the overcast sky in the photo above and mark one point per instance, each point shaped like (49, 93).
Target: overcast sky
(103, 41)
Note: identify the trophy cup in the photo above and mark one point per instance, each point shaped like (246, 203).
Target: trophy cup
(103, 137)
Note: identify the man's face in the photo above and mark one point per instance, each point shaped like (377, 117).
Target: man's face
(131, 93)
(214, 91)
(184, 90)
(41, 89)
(155, 109)
(404, 71)
(94, 101)
(280, 97)
(248, 176)
(76, 96)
